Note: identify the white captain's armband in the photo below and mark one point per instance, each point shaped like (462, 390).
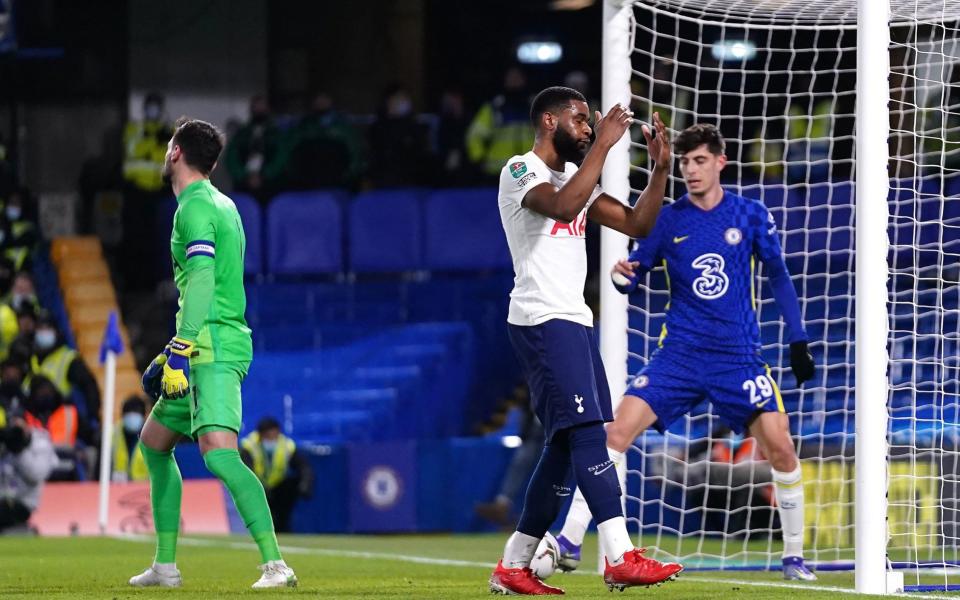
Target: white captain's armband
(201, 248)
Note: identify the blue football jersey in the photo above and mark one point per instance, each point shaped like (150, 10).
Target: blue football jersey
(710, 259)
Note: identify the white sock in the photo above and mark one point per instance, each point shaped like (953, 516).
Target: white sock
(519, 550)
(165, 567)
(578, 519)
(619, 460)
(614, 539)
(789, 488)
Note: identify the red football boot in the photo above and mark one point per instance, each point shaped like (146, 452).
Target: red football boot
(521, 582)
(636, 569)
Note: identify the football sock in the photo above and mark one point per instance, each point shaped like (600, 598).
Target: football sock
(614, 539)
(789, 488)
(249, 497)
(577, 521)
(595, 473)
(166, 491)
(519, 550)
(547, 490)
(578, 517)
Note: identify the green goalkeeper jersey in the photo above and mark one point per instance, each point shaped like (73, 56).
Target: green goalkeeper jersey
(207, 246)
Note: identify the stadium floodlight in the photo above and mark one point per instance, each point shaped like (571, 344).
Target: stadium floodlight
(841, 116)
(539, 52)
(730, 50)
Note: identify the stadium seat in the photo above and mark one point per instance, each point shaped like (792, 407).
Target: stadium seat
(304, 233)
(385, 232)
(463, 231)
(252, 219)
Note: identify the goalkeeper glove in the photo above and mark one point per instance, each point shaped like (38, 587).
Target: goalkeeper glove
(175, 382)
(150, 382)
(801, 362)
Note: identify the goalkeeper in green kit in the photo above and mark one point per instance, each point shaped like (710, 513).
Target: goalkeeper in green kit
(197, 377)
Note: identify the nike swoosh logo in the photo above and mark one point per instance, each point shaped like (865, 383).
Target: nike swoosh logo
(677, 240)
(603, 469)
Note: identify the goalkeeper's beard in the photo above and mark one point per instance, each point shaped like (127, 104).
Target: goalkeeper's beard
(167, 173)
(568, 147)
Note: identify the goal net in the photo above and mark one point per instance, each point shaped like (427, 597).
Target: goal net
(779, 79)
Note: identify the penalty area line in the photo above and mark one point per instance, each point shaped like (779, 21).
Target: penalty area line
(446, 562)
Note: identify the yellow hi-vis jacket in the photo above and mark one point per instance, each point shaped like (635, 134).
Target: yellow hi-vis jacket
(273, 474)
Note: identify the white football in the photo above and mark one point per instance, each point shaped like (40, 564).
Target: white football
(545, 559)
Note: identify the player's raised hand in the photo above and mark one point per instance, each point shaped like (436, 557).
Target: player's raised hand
(801, 362)
(610, 128)
(658, 142)
(624, 276)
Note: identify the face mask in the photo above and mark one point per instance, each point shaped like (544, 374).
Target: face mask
(151, 112)
(17, 301)
(45, 338)
(132, 422)
(269, 445)
(13, 213)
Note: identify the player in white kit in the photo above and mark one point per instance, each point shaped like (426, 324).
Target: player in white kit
(545, 201)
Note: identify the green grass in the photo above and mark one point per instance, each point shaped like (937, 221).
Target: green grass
(335, 567)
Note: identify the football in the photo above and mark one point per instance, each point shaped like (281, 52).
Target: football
(544, 561)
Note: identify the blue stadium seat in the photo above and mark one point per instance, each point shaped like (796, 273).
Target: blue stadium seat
(304, 234)
(463, 231)
(385, 232)
(252, 219)
(772, 195)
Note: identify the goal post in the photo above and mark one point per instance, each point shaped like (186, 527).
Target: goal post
(843, 118)
(870, 393)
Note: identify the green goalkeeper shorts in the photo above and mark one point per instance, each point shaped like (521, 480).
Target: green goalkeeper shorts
(214, 400)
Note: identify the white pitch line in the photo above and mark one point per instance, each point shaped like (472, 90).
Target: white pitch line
(446, 562)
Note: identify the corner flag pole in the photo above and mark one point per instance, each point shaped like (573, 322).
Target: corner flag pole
(111, 346)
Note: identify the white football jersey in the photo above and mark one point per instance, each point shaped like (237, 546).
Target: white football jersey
(549, 257)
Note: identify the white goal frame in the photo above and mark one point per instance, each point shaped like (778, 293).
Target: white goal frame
(872, 575)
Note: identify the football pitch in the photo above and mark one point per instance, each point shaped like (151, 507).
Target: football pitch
(421, 566)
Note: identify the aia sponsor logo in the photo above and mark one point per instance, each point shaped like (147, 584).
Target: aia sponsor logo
(578, 228)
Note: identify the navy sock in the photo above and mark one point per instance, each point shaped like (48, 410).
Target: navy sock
(548, 488)
(594, 472)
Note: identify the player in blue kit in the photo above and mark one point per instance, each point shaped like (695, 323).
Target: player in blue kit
(709, 241)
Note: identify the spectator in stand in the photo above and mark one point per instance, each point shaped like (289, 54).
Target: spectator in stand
(144, 192)
(284, 471)
(146, 146)
(21, 228)
(451, 141)
(256, 156)
(23, 295)
(47, 409)
(128, 463)
(501, 128)
(63, 366)
(26, 460)
(398, 143)
(27, 326)
(327, 150)
(8, 318)
(12, 398)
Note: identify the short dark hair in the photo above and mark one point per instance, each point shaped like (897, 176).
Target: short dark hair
(134, 403)
(551, 99)
(200, 142)
(696, 135)
(266, 424)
